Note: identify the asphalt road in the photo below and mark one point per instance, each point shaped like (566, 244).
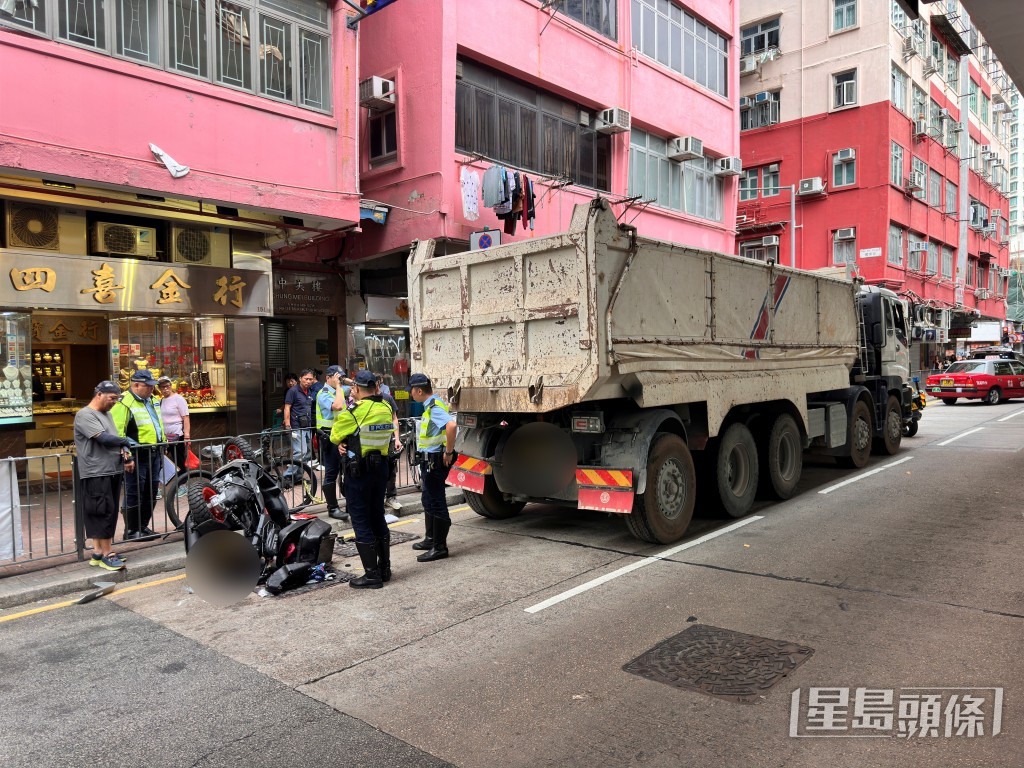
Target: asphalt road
(905, 583)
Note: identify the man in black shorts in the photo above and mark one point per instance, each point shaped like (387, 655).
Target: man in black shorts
(102, 454)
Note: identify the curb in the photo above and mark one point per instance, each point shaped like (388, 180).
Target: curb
(63, 580)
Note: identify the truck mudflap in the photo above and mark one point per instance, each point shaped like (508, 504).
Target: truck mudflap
(468, 473)
(606, 490)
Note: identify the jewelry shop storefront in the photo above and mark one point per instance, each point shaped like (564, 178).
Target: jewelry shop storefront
(72, 321)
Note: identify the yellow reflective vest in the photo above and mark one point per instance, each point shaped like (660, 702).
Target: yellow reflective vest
(148, 424)
(372, 418)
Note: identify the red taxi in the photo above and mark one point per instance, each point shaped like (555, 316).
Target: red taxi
(990, 380)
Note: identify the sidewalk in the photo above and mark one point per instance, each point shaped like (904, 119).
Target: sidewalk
(170, 556)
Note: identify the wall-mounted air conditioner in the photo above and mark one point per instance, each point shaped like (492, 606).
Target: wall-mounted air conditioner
(915, 181)
(749, 65)
(769, 241)
(762, 96)
(917, 246)
(612, 120)
(812, 186)
(920, 128)
(930, 66)
(729, 166)
(846, 154)
(746, 102)
(685, 148)
(583, 118)
(44, 227)
(846, 233)
(124, 240)
(377, 93)
(200, 246)
(981, 293)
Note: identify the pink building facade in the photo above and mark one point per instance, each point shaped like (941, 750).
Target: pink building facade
(169, 147)
(515, 84)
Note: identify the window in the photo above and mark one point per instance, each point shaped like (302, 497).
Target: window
(599, 15)
(511, 122)
(933, 258)
(984, 109)
(703, 191)
(899, 89)
(760, 114)
(748, 184)
(844, 251)
(895, 255)
(939, 54)
(770, 181)
(844, 171)
(952, 197)
(935, 188)
(897, 15)
(760, 37)
(757, 251)
(972, 266)
(917, 107)
(844, 87)
(651, 174)
(896, 165)
(953, 74)
(207, 40)
(947, 261)
(919, 171)
(844, 14)
(671, 36)
(382, 129)
(972, 98)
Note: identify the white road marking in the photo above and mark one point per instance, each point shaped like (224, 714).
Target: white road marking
(638, 564)
(962, 434)
(1007, 418)
(862, 475)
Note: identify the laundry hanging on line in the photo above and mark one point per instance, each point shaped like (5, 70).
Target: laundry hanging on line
(510, 195)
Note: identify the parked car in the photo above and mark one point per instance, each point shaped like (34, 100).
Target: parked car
(990, 380)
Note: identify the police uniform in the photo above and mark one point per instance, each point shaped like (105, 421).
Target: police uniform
(366, 430)
(140, 420)
(329, 456)
(433, 473)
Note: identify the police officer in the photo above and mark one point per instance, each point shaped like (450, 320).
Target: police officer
(364, 431)
(330, 399)
(136, 416)
(436, 444)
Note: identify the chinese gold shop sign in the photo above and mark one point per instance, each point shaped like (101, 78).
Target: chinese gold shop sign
(131, 286)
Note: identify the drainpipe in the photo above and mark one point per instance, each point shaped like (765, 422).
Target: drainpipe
(960, 274)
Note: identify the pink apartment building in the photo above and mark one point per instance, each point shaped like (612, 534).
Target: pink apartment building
(894, 134)
(630, 99)
(151, 155)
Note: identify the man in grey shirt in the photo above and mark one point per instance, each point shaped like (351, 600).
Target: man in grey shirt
(101, 455)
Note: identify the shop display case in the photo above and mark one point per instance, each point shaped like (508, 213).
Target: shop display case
(50, 365)
(16, 378)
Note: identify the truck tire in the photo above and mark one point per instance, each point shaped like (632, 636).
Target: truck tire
(781, 458)
(491, 504)
(860, 437)
(888, 444)
(736, 471)
(662, 513)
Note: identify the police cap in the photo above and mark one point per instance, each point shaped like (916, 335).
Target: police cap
(419, 380)
(366, 379)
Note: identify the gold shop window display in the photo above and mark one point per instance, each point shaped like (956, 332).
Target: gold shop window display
(16, 378)
(191, 352)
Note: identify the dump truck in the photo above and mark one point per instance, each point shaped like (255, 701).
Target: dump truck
(604, 371)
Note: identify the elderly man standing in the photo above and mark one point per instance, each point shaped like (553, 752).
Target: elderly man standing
(136, 416)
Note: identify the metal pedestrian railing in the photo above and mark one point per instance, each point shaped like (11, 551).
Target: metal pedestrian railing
(39, 519)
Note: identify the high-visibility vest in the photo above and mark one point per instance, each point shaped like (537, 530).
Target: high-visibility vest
(372, 418)
(427, 442)
(129, 407)
(324, 400)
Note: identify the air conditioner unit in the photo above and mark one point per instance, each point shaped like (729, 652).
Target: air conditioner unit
(749, 65)
(908, 48)
(846, 154)
(812, 186)
(955, 128)
(915, 246)
(200, 246)
(846, 233)
(989, 229)
(729, 166)
(746, 102)
(930, 66)
(762, 96)
(612, 120)
(769, 241)
(45, 228)
(583, 118)
(124, 240)
(685, 148)
(985, 150)
(377, 93)
(981, 293)
(920, 128)
(916, 181)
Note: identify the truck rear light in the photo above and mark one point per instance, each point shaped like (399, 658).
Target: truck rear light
(591, 423)
(466, 420)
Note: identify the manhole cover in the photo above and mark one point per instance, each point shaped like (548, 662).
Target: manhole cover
(720, 662)
(348, 548)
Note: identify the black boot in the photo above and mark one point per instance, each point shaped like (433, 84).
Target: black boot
(371, 578)
(331, 496)
(428, 535)
(384, 558)
(440, 549)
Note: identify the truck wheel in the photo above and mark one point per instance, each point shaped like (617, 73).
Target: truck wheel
(662, 513)
(736, 471)
(892, 429)
(781, 459)
(491, 504)
(860, 437)
(994, 396)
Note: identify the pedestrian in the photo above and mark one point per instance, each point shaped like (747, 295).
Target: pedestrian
(391, 494)
(290, 380)
(330, 400)
(177, 424)
(136, 416)
(298, 417)
(101, 455)
(436, 444)
(364, 433)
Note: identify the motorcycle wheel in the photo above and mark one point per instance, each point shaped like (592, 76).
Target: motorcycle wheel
(909, 430)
